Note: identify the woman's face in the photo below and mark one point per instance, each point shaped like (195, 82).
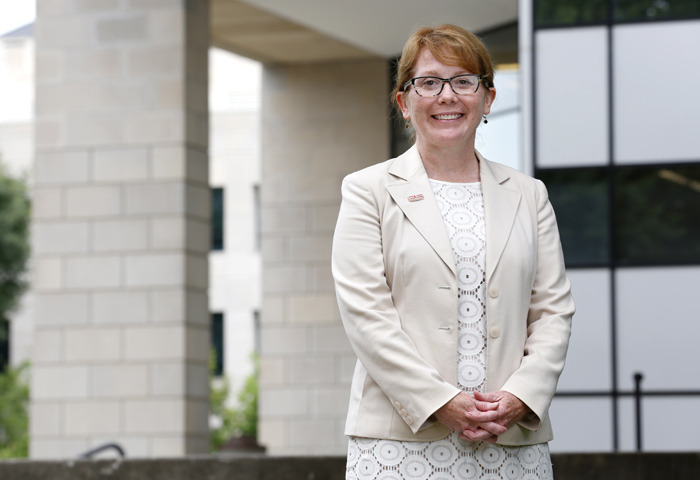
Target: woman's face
(447, 120)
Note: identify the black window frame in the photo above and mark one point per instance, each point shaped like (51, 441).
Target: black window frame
(218, 343)
(218, 220)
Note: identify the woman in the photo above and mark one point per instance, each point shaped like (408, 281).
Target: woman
(451, 287)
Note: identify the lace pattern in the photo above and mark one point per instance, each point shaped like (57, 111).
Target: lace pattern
(448, 459)
(452, 458)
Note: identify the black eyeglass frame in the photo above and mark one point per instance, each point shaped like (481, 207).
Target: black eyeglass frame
(444, 81)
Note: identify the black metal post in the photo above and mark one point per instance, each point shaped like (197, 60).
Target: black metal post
(638, 377)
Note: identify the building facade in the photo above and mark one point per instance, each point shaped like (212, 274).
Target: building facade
(234, 176)
(622, 165)
(122, 245)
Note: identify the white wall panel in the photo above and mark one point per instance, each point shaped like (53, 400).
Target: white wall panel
(498, 143)
(669, 424)
(588, 362)
(500, 139)
(657, 102)
(571, 97)
(581, 424)
(658, 315)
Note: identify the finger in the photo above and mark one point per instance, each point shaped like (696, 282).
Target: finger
(487, 397)
(493, 428)
(477, 435)
(490, 439)
(484, 406)
(481, 417)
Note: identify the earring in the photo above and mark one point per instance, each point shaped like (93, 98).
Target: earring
(486, 120)
(408, 124)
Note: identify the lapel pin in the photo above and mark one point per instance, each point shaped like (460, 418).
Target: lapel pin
(415, 198)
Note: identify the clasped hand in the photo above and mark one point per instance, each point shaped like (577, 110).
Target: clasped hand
(483, 416)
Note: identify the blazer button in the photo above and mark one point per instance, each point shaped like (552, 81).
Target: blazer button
(397, 405)
(493, 292)
(409, 420)
(404, 413)
(495, 332)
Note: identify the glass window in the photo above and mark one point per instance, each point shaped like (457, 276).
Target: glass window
(550, 13)
(657, 214)
(559, 13)
(640, 10)
(502, 43)
(217, 218)
(4, 344)
(217, 342)
(580, 200)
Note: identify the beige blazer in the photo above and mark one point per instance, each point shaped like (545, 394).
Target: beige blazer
(397, 291)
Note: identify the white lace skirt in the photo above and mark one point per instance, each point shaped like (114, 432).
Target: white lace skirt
(449, 459)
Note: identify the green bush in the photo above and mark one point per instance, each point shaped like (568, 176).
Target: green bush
(14, 240)
(245, 418)
(14, 420)
(14, 253)
(241, 421)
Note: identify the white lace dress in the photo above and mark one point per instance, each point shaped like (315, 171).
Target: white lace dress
(451, 458)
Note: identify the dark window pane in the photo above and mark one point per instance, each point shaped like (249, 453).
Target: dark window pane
(636, 10)
(502, 43)
(217, 218)
(4, 344)
(217, 342)
(550, 13)
(658, 215)
(580, 199)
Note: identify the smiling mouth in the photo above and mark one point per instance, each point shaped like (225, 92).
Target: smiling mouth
(451, 116)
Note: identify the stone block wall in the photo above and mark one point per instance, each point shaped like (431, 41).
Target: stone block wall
(120, 227)
(319, 123)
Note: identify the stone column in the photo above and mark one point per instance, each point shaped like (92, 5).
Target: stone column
(319, 123)
(120, 227)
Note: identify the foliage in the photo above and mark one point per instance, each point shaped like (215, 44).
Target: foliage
(14, 420)
(570, 12)
(14, 254)
(241, 421)
(245, 420)
(585, 12)
(14, 240)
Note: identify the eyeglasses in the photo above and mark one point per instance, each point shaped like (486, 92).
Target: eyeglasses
(465, 84)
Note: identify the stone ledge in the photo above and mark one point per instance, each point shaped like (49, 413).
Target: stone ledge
(605, 466)
(189, 468)
(626, 466)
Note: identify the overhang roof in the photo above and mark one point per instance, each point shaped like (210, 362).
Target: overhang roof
(300, 31)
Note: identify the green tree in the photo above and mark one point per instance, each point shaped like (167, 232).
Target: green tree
(245, 418)
(14, 421)
(241, 421)
(14, 253)
(14, 240)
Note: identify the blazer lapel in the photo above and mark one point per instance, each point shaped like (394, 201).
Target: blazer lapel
(500, 206)
(414, 196)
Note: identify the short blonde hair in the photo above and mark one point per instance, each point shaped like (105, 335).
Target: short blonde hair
(449, 44)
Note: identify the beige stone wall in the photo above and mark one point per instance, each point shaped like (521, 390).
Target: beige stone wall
(319, 123)
(120, 227)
